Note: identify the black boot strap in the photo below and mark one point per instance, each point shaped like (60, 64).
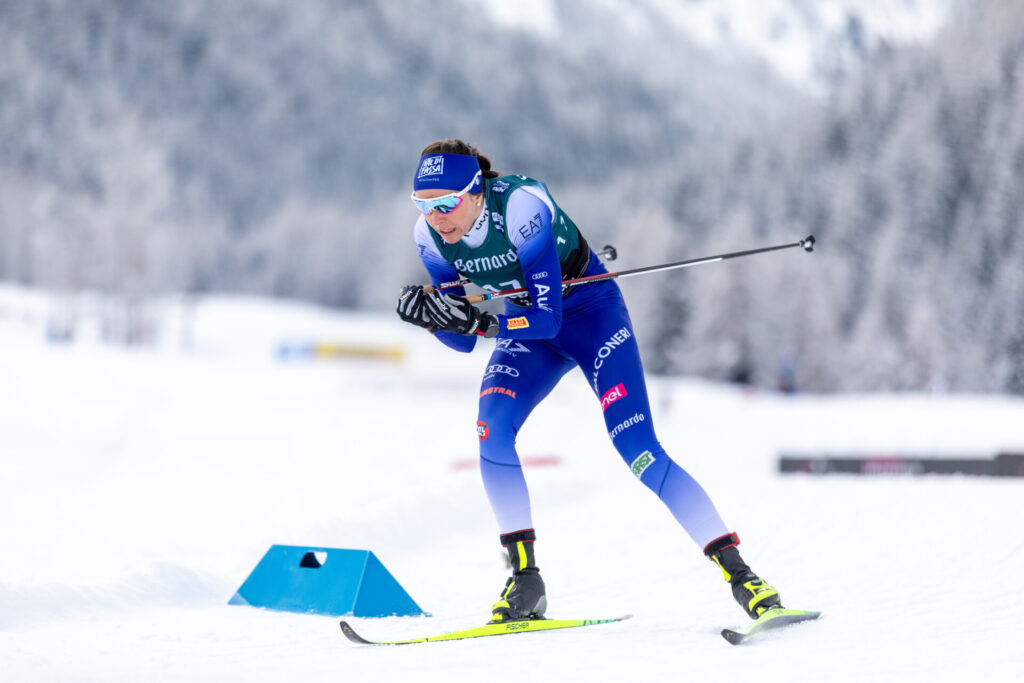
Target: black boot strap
(716, 546)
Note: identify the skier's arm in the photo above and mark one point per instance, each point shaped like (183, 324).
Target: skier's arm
(441, 271)
(528, 217)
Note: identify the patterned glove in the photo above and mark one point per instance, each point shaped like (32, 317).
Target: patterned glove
(411, 308)
(455, 314)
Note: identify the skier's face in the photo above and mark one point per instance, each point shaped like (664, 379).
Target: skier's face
(454, 225)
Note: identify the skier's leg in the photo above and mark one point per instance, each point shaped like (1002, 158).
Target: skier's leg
(519, 375)
(610, 359)
(612, 364)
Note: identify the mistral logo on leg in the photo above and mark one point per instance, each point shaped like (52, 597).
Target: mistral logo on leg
(613, 395)
(642, 462)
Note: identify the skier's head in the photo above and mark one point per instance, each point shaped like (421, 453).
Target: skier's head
(448, 187)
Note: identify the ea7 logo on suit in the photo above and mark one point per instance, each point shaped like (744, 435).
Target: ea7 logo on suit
(511, 346)
(535, 225)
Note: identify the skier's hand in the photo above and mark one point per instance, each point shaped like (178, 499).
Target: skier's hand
(455, 314)
(411, 308)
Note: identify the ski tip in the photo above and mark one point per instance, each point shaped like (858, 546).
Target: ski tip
(733, 637)
(610, 620)
(352, 635)
(772, 620)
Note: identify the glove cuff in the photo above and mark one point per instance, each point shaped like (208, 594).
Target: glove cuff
(488, 327)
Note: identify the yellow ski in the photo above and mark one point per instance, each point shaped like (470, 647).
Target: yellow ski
(500, 629)
(774, 618)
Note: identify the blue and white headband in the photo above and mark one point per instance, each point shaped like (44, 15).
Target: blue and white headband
(447, 172)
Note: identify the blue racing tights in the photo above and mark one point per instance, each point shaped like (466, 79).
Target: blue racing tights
(597, 336)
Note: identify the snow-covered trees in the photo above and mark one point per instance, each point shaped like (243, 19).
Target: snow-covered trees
(266, 147)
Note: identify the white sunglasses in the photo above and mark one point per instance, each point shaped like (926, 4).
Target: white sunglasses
(446, 203)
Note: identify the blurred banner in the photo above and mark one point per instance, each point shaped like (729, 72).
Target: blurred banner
(1002, 465)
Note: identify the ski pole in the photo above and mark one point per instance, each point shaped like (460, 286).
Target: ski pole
(608, 252)
(807, 244)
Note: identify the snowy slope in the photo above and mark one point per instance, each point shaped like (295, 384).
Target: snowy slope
(140, 487)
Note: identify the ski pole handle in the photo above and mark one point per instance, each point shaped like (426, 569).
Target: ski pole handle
(471, 298)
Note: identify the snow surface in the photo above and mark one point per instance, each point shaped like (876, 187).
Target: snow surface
(140, 487)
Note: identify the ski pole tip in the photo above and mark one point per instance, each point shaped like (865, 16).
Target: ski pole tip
(808, 243)
(609, 252)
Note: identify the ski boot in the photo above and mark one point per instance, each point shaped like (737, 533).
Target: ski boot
(754, 595)
(523, 597)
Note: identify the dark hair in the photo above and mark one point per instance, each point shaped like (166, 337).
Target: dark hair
(456, 146)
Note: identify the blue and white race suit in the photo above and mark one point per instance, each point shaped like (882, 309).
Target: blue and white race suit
(537, 344)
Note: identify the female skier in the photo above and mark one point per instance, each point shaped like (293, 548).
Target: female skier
(506, 232)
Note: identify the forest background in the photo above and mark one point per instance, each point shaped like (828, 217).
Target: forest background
(150, 148)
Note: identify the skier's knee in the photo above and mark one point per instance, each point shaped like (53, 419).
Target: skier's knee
(497, 442)
(650, 467)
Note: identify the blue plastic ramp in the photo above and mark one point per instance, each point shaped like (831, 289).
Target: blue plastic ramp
(330, 581)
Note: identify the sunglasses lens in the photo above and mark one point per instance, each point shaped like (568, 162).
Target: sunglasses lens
(448, 204)
(441, 205)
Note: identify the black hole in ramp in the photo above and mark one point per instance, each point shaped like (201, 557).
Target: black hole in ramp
(311, 560)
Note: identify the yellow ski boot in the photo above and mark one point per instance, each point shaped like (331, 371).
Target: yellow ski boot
(754, 595)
